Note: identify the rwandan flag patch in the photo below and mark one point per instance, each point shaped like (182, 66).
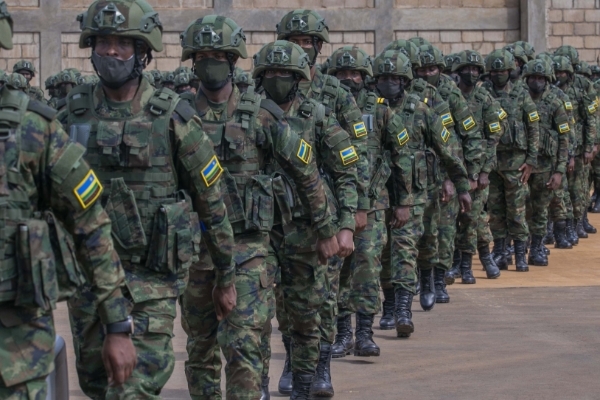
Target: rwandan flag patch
(447, 119)
(403, 137)
(445, 135)
(564, 128)
(304, 151)
(568, 105)
(349, 155)
(469, 123)
(360, 129)
(88, 190)
(494, 126)
(211, 172)
(502, 114)
(534, 116)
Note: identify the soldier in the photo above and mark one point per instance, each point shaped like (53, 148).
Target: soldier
(528, 49)
(516, 155)
(425, 132)
(242, 79)
(168, 80)
(163, 181)
(65, 82)
(27, 69)
(51, 89)
(182, 84)
(520, 60)
(15, 82)
(473, 228)
(158, 76)
(552, 157)
(45, 171)
(250, 135)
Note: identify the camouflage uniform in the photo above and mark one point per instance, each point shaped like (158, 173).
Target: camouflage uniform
(34, 92)
(63, 79)
(163, 184)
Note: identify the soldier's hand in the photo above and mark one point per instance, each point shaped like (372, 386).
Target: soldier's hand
(119, 358)
(484, 180)
(447, 190)
(401, 216)
(588, 157)
(360, 221)
(225, 299)
(327, 248)
(571, 165)
(472, 185)
(345, 239)
(465, 202)
(555, 181)
(526, 169)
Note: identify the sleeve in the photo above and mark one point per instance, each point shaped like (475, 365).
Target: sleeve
(561, 125)
(442, 108)
(532, 128)
(469, 132)
(198, 170)
(588, 111)
(397, 139)
(493, 130)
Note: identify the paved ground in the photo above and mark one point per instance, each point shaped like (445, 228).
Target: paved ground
(523, 336)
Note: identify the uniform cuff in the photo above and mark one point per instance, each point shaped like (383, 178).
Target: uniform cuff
(346, 221)
(225, 278)
(114, 309)
(364, 203)
(405, 201)
(327, 231)
(462, 186)
(531, 161)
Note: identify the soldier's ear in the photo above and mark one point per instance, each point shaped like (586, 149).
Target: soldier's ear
(319, 45)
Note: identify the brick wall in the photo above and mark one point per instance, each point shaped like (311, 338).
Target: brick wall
(26, 46)
(455, 41)
(313, 4)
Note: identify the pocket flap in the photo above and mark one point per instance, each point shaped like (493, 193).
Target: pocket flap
(137, 133)
(160, 325)
(109, 133)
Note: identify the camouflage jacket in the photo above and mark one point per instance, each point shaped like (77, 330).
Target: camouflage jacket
(328, 90)
(585, 113)
(36, 93)
(520, 141)
(151, 154)
(569, 110)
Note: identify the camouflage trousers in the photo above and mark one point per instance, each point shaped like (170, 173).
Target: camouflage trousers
(538, 203)
(359, 277)
(506, 205)
(579, 187)
(26, 354)
(560, 206)
(239, 335)
(153, 330)
(473, 227)
(428, 245)
(447, 232)
(595, 172)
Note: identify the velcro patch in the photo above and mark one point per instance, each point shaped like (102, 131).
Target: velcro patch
(502, 114)
(212, 171)
(469, 123)
(592, 108)
(495, 127)
(447, 119)
(403, 137)
(304, 151)
(360, 129)
(564, 128)
(445, 135)
(88, 190)
(349, 155)
(380, 100)
(534, 116)
(568, 105)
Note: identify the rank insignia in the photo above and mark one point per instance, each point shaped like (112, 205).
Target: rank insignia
(568, 105)
(88, 190)
(380, 100)
(502, 114)
(592, 108)
(447, 119)
(469, 123)
(494, 126)
(564, 128)
(349, 155)
(211, 172)
(403, 137)
(304, 151)
(360, 129)
(534, 116)
(445, 135)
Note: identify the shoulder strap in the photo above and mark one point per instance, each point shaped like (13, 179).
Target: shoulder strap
(371, 103)
(185, 110)
(272, 107)
(248, 107)
(79, 99)
(162, 101)
(445, 90)
(331, 89)
(40, 108)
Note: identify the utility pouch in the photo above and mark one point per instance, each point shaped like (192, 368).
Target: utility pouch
(432, 172)
(382, 173)
(520, 137)
(231, 196)
(259, 203)
(283, 194)
(80, 133)
(549, 145)
(122, 209)
(109, 138)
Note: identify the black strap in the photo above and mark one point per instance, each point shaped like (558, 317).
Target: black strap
(185, 110)
(40, 108)
(272, 107)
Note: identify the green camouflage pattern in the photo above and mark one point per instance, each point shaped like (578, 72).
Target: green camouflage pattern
(538, 202)
(6, 27)
(350, 57)
(302, 22)
(213, 32)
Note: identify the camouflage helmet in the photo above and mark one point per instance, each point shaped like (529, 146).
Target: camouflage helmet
(243, 77)
(213, 32)
(88, 79)
(303, 22)
(583, 68)
(449, 60)
(183, 69)
(527, 48)
(181, 79)
(392, 62)
(24, 65)
(66, 76)
(419, 41)
(431, 55)
(595, 69)
(168, 77)
(468, 57)
(517, 52)
(407, 48)
(561, 63)
(75, 71)
(568, 51)
(350, 57)
(135, 19)
(15, 81)
(49, 83)
(6, 27)
(499, 60)
(281, 55)
(544, 55)
(158, 76)
(149, 77)
(538, 67)
(2, 75)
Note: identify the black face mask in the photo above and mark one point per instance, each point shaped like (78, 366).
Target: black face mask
(390, 90)
(499, 80)
(562, 81)
(515, 73)
(280, 90)
(536, 87)
(113, 72)
(468, 78)
(354, 87)
(213, 74)
(312, 54)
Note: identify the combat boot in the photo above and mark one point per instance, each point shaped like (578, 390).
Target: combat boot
(264, 389)
(549, 238)
(441, 295)
(466, 272)
(581, 233)
(302, 384)
(498, 253)
(387, 321)
(536, 254)
(285, 382)
(427, 296)
(510, 250)
(571, 234)
(418, 287)
(595, 206)
(403, 313)
(560, 234)
(365, 346)
(520, 261)
(491, 269)
(589, 228)
(344, 343)
(321, 385)
(454, 272)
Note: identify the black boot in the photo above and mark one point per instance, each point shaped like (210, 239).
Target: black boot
(520, 261)
(418, 288)
(491, 269)
(285, 382)
(589, 228)
(441, 294)
(549, 238)
(427, 296)
(498, 253)
(560, 234)
(596, 205)
(344, 343)
(454, 272)
(402, 311)
(365, 346)
(264, 389)
(466, 272)
(321, 385)
(571, 233)
(302, 384)
(510, 250)
(387, 321)
(581, 233)
(536, 254)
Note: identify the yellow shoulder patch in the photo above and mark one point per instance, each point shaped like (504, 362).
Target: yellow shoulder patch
(425, 100)
(534, 116)
(349, 155)
(502, 114)
(568, 105)
(592, 108)
(469, 123)
(495, 127)
(360, 129)
(403, 137)
(564, 128)
(447, 119)
(304, 151)
(380, 100)
(211, 171)
(88, 190)
(445, 135)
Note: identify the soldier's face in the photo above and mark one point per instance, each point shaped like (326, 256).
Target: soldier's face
(121, 48)
(26, 74)
(305, 41)
(430, 70)
(349, 74)
(217, 55)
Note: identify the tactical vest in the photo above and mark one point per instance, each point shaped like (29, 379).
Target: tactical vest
(548, 143)
(515, 135)
(329, 94)
(153, 225)
(423, 159)
(579, 104)
(37, 259)
(249, 199)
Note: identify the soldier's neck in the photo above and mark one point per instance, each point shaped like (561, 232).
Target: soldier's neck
(466, 89)
(124, 93)
(218, 96)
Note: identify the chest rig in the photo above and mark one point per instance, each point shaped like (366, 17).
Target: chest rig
(578, 103)
(548, 142)
(515, 135)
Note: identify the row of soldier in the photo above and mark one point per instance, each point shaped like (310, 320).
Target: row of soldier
(297, 192)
